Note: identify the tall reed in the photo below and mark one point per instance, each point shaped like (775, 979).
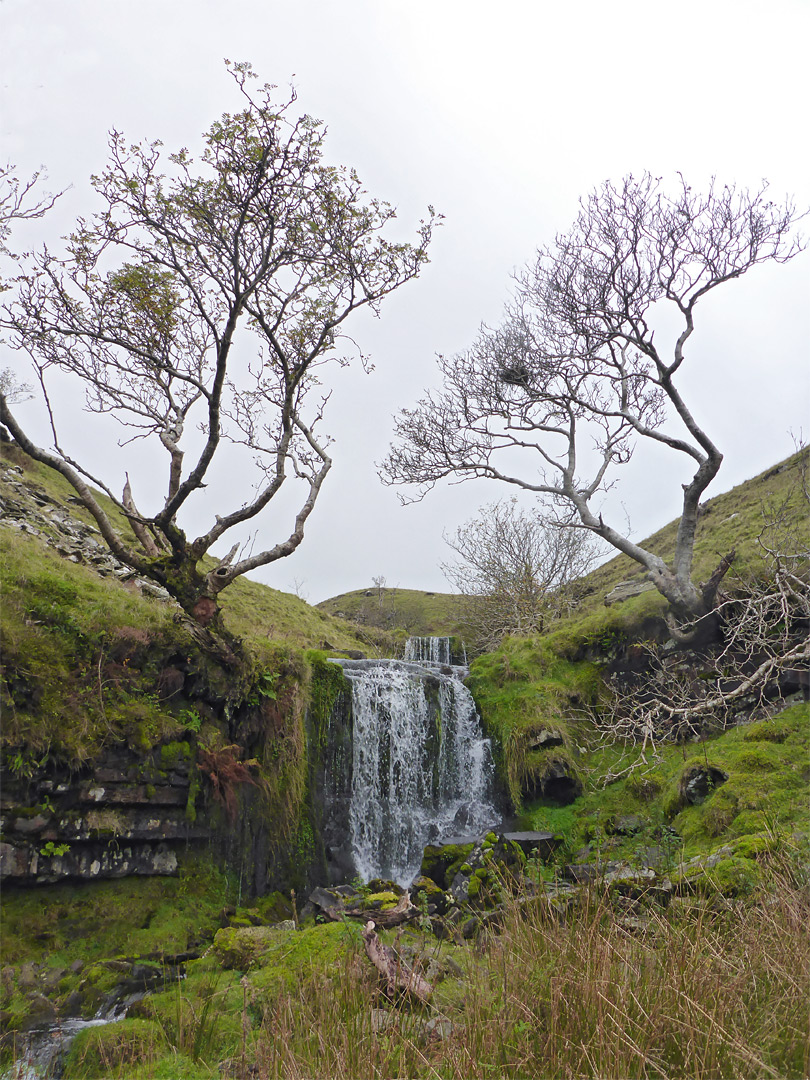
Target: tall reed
(704, 989)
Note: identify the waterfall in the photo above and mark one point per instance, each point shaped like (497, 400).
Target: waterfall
(434, 650)
(421, 769)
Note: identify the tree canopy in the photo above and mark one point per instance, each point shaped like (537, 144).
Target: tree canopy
(561, 393)
(197, 307)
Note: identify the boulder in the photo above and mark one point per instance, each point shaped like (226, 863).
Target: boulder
(242, 948)
(699, 781)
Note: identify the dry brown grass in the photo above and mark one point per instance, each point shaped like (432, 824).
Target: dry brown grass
(701, 991)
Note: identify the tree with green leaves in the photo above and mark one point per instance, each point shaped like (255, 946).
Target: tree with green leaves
(197, 307)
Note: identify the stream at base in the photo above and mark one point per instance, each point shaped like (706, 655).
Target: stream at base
(41, 1051)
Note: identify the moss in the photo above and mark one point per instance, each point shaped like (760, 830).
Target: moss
(734, 876)
(441, 863)
(113, 1050)
(275, 907)
(525, 689)
(243, 947)
(382, 898)
(193, 792)
(773, 730)
(95, 920)
(293, 957)
(173, 754)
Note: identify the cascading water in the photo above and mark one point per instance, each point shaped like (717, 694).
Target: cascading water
(434, 650)
(421, 769)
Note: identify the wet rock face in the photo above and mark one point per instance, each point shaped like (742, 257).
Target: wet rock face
(125, 816)
(699, 782)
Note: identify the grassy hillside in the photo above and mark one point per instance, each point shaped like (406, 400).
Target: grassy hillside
(732, 520)
(428, 614)
(253, 611)
(648, 989)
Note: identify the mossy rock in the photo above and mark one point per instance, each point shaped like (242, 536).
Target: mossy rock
(441, 863)
(115, 1049)
(243, 947)
(723, 872)
(275, 907)
(315, 950)
(378, 899)
(734, 876)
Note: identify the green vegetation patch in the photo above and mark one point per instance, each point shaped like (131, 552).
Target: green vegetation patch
(135, 916)
(410, 611)
(533, 704)
(758, 810)
(112, 1050)
(293, 957)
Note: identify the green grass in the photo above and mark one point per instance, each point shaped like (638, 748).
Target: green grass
(135, 916)
(693, 992)
(253, 611)
(762, 806)
(732, 520)
(411, 611)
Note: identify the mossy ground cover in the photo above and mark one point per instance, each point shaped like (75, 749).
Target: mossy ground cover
(524, 689)
(136, 916)
(695, 993)
(762, 807)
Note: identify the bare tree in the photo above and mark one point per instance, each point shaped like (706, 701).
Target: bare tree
(197, 308)
(764, 651)
(515, 572)
(20, 200)
(559, 394)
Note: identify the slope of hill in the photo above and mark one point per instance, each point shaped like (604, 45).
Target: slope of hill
(733, 520)
(730, 521)
(38, 505)
(412, 611)
(153, 804)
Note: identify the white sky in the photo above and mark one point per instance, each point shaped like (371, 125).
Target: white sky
(501, 117)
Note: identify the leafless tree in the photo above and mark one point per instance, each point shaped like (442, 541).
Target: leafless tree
(515, 572)
(765, 646)
(20, 200)
(559, 394)
(197, 308)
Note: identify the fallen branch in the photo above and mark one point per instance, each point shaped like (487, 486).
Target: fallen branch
(396, 973)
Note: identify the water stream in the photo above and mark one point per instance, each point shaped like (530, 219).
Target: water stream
(421, 769)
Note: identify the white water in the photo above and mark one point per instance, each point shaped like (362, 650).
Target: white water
(431, 650)
(421, 769)
(41, 1051)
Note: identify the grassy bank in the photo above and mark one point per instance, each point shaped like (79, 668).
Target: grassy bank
(702, 989)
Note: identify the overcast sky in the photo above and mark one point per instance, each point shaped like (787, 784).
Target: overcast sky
(501, 117)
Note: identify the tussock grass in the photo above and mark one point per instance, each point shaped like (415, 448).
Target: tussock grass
(699, 990)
